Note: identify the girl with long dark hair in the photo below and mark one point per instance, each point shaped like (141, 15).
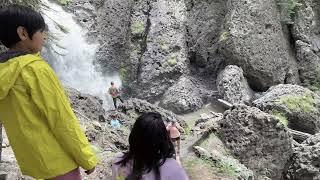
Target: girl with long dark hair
(150, 156)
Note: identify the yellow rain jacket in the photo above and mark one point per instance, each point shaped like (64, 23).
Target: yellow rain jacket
(42, 129)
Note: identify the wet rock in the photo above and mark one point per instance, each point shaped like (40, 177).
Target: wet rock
(233, 86)
(295, 104)
(256, 139)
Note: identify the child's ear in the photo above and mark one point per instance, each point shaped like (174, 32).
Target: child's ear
(22, 33)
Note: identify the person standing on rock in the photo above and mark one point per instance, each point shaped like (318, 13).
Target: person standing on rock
(150, 155)
(42, 129)
(173, 128)
(115, 94)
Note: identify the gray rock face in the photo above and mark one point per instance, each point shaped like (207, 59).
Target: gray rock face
(163, 59)
(187, 95)
(113, 26)
(257, 139)
(204, 22)
(88, 105)
(253, 40)
(233, 86)
(305, 161)
(306, 34)
(309, 63)
(86, 13)
(298, 105)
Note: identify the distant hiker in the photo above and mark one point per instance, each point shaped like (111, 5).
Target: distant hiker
(115, 121)
(115, 94)
(150, 155)
(173, 128)
(42, 128)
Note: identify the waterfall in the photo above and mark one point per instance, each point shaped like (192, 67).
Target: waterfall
(72, 57)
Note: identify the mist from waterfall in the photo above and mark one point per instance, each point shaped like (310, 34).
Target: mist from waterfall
(72, 57)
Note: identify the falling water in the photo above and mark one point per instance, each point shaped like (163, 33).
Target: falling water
(71, 56)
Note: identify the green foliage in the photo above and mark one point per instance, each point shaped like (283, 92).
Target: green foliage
(288, 9)
(281, 117)
(227, 168)
(172, 61)
(123, 74)
(137, 27)
(223, 166)
(223, 36)
(64, 2)
(303, 103)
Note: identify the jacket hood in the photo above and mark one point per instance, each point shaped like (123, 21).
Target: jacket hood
(11, 64)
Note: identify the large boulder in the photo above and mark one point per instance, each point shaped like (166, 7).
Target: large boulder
(233, 86)
(306, 160)
(86, 104)
(187, 95)
(257, 139)
(134, 107)
(162, 53)
(296, 104)
(253, 40)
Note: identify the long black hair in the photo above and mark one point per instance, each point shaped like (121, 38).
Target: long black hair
(150, 146)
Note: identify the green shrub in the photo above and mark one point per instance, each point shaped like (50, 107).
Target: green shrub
(288, 9)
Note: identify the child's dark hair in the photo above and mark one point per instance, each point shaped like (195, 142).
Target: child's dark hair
(150, 146)
(13, 16)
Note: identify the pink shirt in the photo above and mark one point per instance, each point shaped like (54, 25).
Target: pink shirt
(173, 130)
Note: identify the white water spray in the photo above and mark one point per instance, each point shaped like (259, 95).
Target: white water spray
(72, 57)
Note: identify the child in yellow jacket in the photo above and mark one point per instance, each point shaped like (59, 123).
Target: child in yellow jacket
(43, 131)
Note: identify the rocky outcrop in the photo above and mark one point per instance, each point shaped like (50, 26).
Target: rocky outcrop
(306, 34)
(257, 139)
(295, 104)
(305, 161)
(187, 95)
(134, 107)
(90, 106)
(253, 40)
(162, 59)
(113, 26)
(233, 86)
